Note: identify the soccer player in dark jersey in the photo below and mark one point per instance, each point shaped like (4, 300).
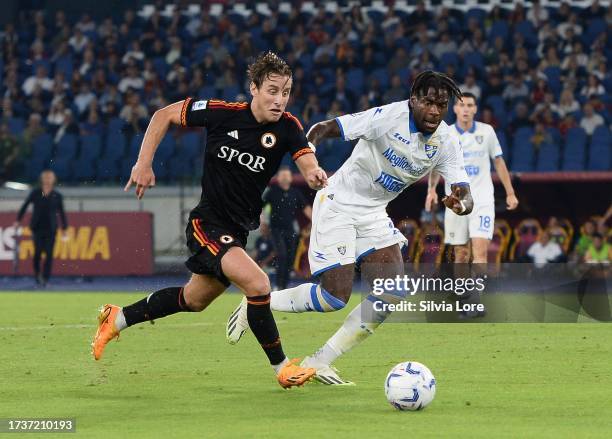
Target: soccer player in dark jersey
(245, 145)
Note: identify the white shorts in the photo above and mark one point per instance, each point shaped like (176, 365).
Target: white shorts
(341, 238)
(459, 229)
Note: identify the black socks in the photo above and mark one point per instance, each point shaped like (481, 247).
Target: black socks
(169, 301)
(263, 326)
(159, 304)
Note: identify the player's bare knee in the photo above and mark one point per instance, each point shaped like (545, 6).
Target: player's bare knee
(259, 286)
(195, 304)
(194, 299)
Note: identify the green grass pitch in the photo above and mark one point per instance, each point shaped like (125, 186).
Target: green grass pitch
(180, 379)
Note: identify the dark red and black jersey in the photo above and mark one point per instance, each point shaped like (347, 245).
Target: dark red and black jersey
(241, 157)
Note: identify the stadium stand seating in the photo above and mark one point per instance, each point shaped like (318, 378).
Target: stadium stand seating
(197, 70)
(42, 148)
(15, 125)
(503, 226)
(525, 234)
(600, 154)
(497, 247)
(410, 229)
(90, 150)
(574, 154)
(66, 148)
(430, 248)
(561, 237)
(523, 150)
(62, 169)
(548, 157)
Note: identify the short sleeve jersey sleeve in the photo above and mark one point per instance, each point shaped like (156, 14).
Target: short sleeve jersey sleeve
(202, 113)
(495, 149)
(297, 143)
(369, 124)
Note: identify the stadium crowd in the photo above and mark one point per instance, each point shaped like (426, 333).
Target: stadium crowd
(76, 94)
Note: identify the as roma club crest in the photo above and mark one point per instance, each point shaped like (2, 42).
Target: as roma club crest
(227, 239)
(268, 140)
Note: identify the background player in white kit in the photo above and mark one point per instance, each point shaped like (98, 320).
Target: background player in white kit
(480, 145)
(398, 144)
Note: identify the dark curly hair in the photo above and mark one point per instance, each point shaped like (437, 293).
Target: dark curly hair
(437, 80)
(267, 64)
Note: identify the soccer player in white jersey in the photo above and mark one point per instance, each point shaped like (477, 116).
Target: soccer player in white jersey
(480, 145)
(398, 144)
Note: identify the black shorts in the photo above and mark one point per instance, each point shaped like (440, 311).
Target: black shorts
(208, 243)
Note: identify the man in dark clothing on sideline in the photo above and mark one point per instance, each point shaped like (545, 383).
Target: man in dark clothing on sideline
(264, 252)
(285, 202)
(48, 203)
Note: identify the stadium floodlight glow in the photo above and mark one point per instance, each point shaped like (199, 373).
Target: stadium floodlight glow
(16, 186)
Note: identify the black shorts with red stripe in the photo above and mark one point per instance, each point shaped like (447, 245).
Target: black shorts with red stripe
(208, 243)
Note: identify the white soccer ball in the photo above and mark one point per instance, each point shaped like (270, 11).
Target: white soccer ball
(410, 386)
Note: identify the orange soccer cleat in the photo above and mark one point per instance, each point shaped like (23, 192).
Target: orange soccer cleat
(294, 375)
(106, 329)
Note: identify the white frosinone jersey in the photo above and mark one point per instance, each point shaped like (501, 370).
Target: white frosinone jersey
(480, 145)
(390, 156)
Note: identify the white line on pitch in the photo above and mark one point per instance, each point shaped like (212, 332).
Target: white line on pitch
(171, 325)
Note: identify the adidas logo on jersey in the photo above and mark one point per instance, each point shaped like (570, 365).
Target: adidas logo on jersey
(233, 134)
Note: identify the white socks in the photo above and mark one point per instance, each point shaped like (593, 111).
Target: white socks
(358, 325)
(279, 366)
(120, 322)
(304, 298)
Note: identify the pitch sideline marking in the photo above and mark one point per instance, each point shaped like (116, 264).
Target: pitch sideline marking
(83, 326)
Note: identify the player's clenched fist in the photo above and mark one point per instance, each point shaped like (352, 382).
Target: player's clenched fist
(511, 202)
(316, 178)
(454, 202)
(143, 177)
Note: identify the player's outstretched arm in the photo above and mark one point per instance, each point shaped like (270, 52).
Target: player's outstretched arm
(460, 200)
(328, 129)
(432, 194)
(142, 172)
(504, 176)
(311, 171)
